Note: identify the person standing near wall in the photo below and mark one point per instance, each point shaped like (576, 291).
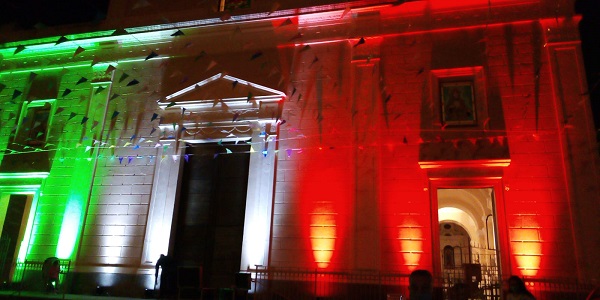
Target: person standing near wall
(168, 276)
(420, 285)
(517, 290)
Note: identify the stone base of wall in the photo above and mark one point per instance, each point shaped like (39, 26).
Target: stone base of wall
(110, 284)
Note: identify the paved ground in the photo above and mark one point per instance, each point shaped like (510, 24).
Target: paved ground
(40, 295)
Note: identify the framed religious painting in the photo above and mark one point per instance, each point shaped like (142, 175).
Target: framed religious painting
(458, 103)
(229, 5)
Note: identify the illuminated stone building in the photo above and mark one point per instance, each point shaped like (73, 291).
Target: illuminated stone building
(364, 136)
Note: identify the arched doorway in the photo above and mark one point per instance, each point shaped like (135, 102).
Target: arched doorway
(467, 241)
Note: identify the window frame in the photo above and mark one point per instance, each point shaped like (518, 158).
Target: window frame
(21, 136)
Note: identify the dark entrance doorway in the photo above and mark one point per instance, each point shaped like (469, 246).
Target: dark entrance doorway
(211, 210)
(11, 232)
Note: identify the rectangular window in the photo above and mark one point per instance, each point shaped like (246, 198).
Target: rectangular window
(229, 5)
(459, 97)
(34, 121)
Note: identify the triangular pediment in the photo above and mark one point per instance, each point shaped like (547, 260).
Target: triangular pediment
(220, 88)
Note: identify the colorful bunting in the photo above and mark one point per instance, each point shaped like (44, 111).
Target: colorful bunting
(132, 137)
(360, 42)
(2, 87)
(61, 40)
(133, 82)
(94, 124)
(287, 21)
(81, 80)
(114, 96)
(199, 56)
(297, 36)
(151, 55)
(154, 116)
(177, 33)
(71, 116)
(250, 96)
(16, 94)
(109, 69)
(172, 103)
(152, 131)
(19, 49)
(228, 151)
(346, 11)
(211, 65)
(123, 77)
(119, 31)
(289, 152)
(66, 92)
(235, 116)
(234, 84)
(96, 60)
(256, 55)
(78, 50)
(32, 76)
(186, 157)
(59, 110)
(114, 115)
(99, 90)
(307, 47)
(85, 119)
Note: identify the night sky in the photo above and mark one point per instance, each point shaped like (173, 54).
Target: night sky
(28, 14)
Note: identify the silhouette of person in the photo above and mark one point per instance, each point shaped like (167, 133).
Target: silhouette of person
(420, 285)
(456, 108)
(51, 273)
(168, 276)
(517, 290)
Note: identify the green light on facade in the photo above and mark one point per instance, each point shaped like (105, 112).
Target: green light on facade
(69, 230)
(27, 237)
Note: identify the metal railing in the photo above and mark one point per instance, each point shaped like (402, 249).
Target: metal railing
(28, 276)
(274, 283)
(289, 284)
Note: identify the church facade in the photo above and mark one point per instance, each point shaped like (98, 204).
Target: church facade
(365, 136)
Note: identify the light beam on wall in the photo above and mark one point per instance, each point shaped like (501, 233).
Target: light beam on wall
(258, 241)
(412, 248)
(322, 237)
(69, 230)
